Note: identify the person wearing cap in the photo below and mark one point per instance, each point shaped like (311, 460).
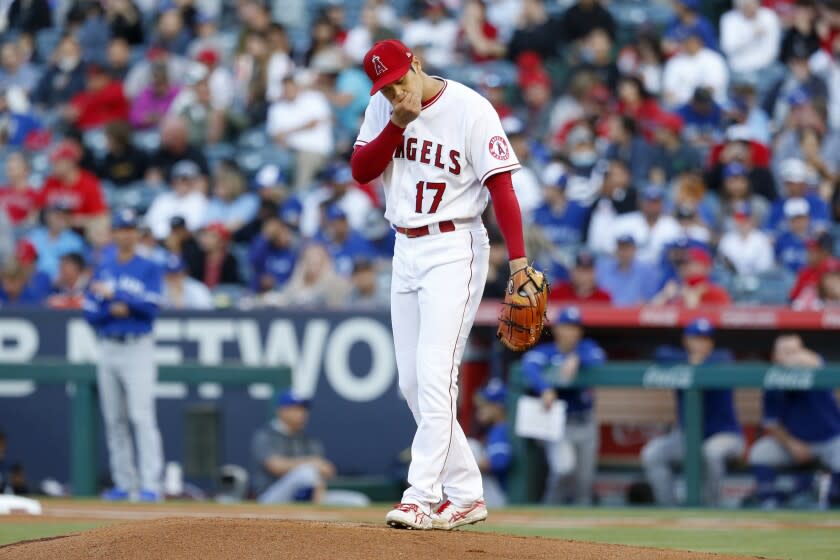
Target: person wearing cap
(140, 75)
(750, 36)
(21, 126)
(722, 436)
(693, 286)
(687, 14)
(691, 223)
(628, 280)
(820, 257)
(54, 239)
(548, 369)
(797, 178)
(702, 118)
(215, 265)
(581, 287)
(562, 221)
(302, 122)
(799, 83)
(18, 199)
(38, 282)
(746, 249)
(272, 255)
(799, 427)
(791, 244)
(672, 155)
(180, 291)
(493, 451)
(271, 184)
(101, 102)
(338, 189)
(743, 109)
(154, 101)
(231, 204)
(289, 465)
(186, 200)
(695, 65)
(738, 190)
(740, 149)
(345, 244)
(650, 226)
(73, 187)
(175, 147)
(121, 304)
(437, 145)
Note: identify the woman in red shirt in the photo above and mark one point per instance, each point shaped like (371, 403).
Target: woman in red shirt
(19, 198)
(634, 101)
(478, 35)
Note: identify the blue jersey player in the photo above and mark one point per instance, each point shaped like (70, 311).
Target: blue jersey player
(548, 369)
(494, 454)
(121, 305)
(722, 437)
(799, 426)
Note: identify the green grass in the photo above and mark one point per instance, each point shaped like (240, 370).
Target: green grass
(21, 531)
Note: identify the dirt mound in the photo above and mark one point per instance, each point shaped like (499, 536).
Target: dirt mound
(241, 539)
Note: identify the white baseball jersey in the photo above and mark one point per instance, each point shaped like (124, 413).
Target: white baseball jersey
(447, 154)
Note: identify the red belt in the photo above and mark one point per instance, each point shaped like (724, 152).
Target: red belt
(421, 231)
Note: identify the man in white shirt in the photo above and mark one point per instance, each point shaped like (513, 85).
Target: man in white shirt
(302, 122)
(433, 36)
(181, 291)
(750, 37)
(694, 67)
(746, 248)
(185, 199)
(651, 229)
(341, 190)
(827, 67)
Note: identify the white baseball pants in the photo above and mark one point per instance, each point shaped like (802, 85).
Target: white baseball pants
(435, 291)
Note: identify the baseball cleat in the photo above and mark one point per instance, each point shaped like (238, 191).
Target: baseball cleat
(408, 516)
(116, 495)
(449, 516)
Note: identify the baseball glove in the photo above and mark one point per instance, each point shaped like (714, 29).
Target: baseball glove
(521, 323)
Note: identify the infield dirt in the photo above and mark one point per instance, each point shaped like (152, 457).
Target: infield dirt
(178, 538)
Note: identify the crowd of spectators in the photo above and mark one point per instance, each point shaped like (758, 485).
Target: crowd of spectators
(674, 152)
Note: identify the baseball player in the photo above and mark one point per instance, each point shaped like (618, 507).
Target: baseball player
(439, 148)
(121, 305)
(548, 369)
(799, 426)
(722, 438)
(494, 452)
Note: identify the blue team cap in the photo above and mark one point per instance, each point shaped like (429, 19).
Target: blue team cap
(339, 173)
(269, 176)
(699, 327)
(625, 239)
(693, 5)
(684, 32)
(290, 211)
(734, 169)
(335, 213)
(569, 316)
(174, 264)
(653, 192)
(124, 219)
(494, 391)
(291, 398)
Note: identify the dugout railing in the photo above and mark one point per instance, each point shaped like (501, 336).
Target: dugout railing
(693, 380)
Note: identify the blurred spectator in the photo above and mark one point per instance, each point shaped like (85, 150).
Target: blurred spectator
(796, 177)
(140, 75)
(801, 36)
(746, 249)
(171, 33)
(323, 35)
(694, 66)
(689, 194)
(18, 124)
(100, 103)
(797, 86)
(153, 102)
(722, 438)
(820, 258)
(12, 475)
(148, 246)
(208, 36)
(364, 291)
(493, 452)
(535, 85)
(650, 226)
(687, 15)
(737, 189)
(36, 279)
(585, 16)
(433, 36)
(55, 239)
(215, 265)
(73, 187)
(571, 104)
(301, 122)
(671, 154)
(118, 59)
(312, 281)
(824, 63)
(206, 122)
(20, 200)
(339, 190)
(535, 32)
(185, 200)
(627, 143)
(174, 148)
(750, 37)
(743, 109)
(526, 183)
(628, 281)
(596, 53)
(231, 204)
(272, 255)
(702, 118)
(16, 288)
(370, 30)
(123, 163)
(581, 286)
(180, 291)
(87, 20)
(582, 155)
(270, 184)
(479, 37)
(344, 244)
(499, 270)
(280, 63)
(790, 248)
(348, 91)
(644, 58)
(828, 287)
(29, 16)
(68, 290)
(636, 102)
(181, 241)
(548, 370)
(691, 224)
(14, 71)
(289, 465)
(799, 428)
(617, 198)
(64, 78)
(7, 237)
(820, 151)
(693, 287)
(753, 158)
(562, 221)
(250, 73)
(125, 21)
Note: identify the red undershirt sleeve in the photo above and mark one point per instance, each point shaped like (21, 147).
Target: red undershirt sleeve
(370, 160)
(508, 214)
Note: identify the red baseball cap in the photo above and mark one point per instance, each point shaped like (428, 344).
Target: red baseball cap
(208, 57)
(26, 252)
(66, 150)
(387, 61)
(700, 255)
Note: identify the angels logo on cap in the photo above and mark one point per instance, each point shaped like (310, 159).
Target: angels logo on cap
(386, 62)
(378, 67)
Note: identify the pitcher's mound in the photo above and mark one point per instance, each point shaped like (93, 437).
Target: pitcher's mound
(241, 539)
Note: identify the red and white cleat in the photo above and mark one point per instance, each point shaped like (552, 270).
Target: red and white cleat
(449, 516)
(408, 516)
